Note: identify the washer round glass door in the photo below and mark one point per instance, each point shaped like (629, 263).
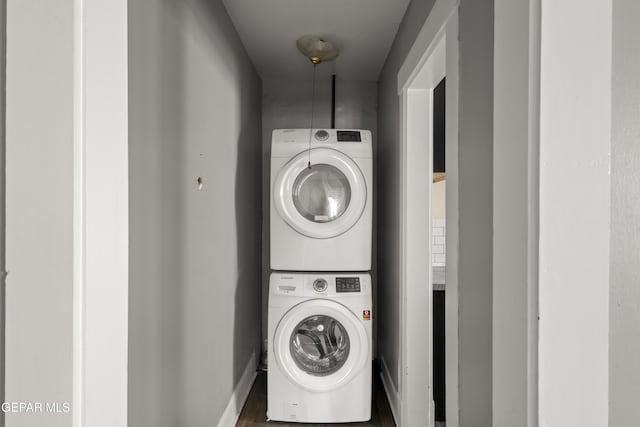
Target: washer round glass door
(325, 200)
(320, 345)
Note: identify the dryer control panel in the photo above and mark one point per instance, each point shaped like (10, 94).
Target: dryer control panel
(321, 136)
(348, 136)
(340, 136)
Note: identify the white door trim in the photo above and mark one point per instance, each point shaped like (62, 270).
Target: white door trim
(100, 222)
(432, 30)
(575, 212)
(433, 55)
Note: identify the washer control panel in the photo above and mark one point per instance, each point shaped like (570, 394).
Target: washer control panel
(347, 284)
(320, 285)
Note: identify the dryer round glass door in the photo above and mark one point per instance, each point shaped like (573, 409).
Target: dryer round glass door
(321, 193)
(322, 201)
(320, 345)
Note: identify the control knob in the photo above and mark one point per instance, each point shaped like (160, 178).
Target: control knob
(320, 285)
(322, 135)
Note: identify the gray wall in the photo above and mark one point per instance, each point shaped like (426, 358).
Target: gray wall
(515, 214)
(389, 180)
(194, 255)
(476, 212)
(624, 341)
(3, 86)
(39, 239)
(475, 201)
(286, 103)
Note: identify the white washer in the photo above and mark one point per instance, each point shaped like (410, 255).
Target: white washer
(321, 217)
(320, 348)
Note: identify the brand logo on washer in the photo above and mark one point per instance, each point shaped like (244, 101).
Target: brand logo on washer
(366, 314)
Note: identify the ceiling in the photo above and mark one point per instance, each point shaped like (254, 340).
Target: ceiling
(363, 31)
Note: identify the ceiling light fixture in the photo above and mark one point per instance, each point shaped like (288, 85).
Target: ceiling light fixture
(316, 49)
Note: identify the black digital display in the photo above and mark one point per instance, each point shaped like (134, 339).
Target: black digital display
(347, 284)
(349, 136)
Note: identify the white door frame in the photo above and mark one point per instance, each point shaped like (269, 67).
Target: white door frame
(433, 55)
(101, 214)
(575, 212)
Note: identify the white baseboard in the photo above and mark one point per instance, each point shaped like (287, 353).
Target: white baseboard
(392, 394)
(239, 396)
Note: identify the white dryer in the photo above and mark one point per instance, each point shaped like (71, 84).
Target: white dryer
(321, 217)
(320, 348)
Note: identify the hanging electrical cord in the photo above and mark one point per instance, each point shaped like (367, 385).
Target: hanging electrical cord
(313, 95)
(317, 50)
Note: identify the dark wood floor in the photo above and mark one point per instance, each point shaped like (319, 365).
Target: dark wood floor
(254, 413)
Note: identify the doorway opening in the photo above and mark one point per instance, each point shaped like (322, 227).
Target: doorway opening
(430, 310)
(438, 250)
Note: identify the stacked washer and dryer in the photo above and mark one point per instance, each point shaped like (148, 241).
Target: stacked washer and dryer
(320, 299)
